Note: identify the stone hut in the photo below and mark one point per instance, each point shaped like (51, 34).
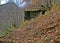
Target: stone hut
(10, 15)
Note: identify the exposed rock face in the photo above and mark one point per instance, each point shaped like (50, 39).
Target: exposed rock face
(10, 15)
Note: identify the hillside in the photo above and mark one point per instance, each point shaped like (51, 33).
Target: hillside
(43, 29)
(36, 4)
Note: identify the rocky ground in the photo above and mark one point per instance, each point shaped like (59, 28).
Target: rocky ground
(43, 29)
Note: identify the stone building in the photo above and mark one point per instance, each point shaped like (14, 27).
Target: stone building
(10, 15)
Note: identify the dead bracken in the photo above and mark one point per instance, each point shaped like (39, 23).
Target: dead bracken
(43, 29)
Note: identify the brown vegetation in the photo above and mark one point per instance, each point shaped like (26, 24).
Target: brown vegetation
(43, 29)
